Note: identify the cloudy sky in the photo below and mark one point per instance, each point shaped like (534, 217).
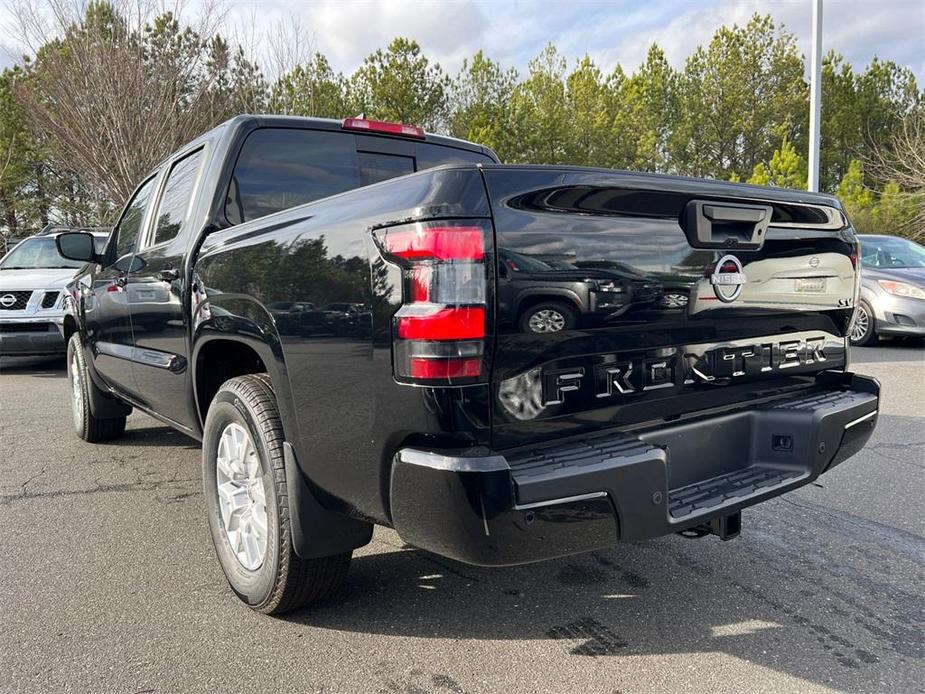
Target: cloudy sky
(612, 31)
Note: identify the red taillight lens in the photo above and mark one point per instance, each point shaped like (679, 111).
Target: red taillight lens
(380, 126)
(441, 325)
(445, 368)
(436, 243)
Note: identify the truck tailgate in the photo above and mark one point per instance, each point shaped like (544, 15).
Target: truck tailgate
(623, 298)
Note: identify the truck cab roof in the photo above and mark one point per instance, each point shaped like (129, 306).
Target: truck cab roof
(246, 122)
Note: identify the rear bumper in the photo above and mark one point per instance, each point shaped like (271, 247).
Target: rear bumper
(33, 336)
(490, 508)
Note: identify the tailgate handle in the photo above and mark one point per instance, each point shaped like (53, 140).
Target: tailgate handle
(725, 225)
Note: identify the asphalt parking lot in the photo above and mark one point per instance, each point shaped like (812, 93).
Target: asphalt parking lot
(108, 582)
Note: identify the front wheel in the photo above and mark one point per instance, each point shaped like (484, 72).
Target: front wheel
(244, 477)
(548, 317)
(88, 427)
(863, 332)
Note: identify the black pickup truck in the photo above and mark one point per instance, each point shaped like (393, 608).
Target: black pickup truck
(337, 311)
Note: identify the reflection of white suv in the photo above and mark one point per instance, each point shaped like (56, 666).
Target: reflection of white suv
(32, 279)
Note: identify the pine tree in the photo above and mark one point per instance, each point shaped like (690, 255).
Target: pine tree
(857, 197)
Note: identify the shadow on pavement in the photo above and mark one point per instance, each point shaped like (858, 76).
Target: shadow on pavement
(665, 596)
(42, 367)
(153, 435)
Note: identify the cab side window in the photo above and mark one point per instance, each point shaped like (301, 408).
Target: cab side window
(128, 228)
(279, 168)
(176, 198)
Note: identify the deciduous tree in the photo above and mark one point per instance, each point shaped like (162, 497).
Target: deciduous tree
(902, 166)
(115, 99)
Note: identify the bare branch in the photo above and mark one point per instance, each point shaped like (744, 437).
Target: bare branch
(290, 45)
(116, 93)
(903, 161)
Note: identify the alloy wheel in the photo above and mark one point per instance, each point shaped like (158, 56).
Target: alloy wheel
(77, 399)
(674, 300)
(546, 320)
(861, 325)
(242, 497)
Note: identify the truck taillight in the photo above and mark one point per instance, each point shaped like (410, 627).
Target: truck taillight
(440, 329)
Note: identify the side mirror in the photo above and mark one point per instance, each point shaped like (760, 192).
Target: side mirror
(76, 245)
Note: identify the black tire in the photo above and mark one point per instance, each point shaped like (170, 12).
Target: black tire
(284, 581)
(868, 336)
(564, 315)
(87, 426)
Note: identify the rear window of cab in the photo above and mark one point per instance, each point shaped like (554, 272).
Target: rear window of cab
(279, 168)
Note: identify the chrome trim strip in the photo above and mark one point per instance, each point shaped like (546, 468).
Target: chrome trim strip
(439, 461)
(114, 349)
(150, 357)
(869, 415)
(563, 500)
(139, 355)
(835, 219)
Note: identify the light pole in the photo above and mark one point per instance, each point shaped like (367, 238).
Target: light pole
(815, 98)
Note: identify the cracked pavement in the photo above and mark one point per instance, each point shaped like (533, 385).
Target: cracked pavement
(109, 583)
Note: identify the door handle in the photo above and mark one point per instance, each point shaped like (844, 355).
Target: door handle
(169, 275)
(726, 225)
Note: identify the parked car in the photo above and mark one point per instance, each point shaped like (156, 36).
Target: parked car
(549, 295)
(436, 414)
(892, 299)
(298, 318)
(808, 282)
(32, 278)
(344, 318)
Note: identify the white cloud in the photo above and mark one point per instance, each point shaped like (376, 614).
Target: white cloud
(859, 29)
(611, 31)
(346, 31)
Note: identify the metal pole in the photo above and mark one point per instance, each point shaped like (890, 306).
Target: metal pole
(815, 97)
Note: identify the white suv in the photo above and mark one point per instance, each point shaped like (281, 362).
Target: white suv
(32, 280)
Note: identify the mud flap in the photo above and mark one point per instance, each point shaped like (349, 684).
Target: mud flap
(317, 532)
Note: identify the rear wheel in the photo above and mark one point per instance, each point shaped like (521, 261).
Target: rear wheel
(244, 476)
(548, 317)
(863, 332)
(88, 427)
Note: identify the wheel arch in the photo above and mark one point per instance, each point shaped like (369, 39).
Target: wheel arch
(70, 327)
(221, 357)
(531, 298)
(218, 358)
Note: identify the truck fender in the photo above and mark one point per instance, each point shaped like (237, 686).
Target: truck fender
(245, 320)
(316, 532)
(102, 405)
(566, 294)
